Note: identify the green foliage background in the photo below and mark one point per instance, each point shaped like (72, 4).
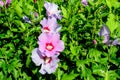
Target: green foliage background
(81, 59)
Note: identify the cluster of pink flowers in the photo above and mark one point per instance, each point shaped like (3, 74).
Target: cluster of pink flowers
(49, 41)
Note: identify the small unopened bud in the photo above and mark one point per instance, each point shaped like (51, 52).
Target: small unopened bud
(94, 42)
(36, 14)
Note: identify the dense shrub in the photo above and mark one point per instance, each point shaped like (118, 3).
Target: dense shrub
(85, 56)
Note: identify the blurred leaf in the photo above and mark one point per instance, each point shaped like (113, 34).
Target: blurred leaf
(64, 11)
(73, 20)
(111, 75)
(98, 69)
(18, 9)
(107, 76)
(64, 38)
(73, 49)
(108, 4)
(59, 74)
(15, 73)
(91, 2)
(22, 26)
(70, 76)
(111, 23)
(28, 61)
(113, 3)
(82, 16)
(112, 51)
(1, 62)
(95, 54)
(9, 78)
(1, 76)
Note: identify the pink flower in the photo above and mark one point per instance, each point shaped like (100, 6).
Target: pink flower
(8, 2)
(49, 25)
(105, 32)
(52, 10)
(115, 42)
(50, 44)
(48, 64)
(84, 2)
(1, 3)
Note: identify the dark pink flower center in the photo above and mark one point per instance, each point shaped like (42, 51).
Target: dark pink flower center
(49, 46)
(47, 59)
(46, 29)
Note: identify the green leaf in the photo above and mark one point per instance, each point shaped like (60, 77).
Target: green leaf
(112, 3)
(9, 78)
(28, 60)
(98, 69)
(107, 76)
(1, 62)
(108, 4)
(64, 38)
(112, 51)
(30, 7)
(111, 23)
(70, 76)
(59, 74)
(19, 23)
(64, 11)
(111, 75)
(15, 73)
(72, 49)
(91, 2)
(1, 76)
(83, 17)
(18, 10)
(22, 26)
(95, 54)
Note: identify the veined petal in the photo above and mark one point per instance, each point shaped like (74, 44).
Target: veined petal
(50, 67)
(116, 42)
(42, 37)
(42, 70)
(60, 46)
(49, 25)
(104, 31)
(36, 58)
(43, 22)
(106, 38)
(52, 10)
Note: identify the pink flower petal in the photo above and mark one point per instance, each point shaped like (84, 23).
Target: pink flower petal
(52, 10)
(36, 58)
(60, 46)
